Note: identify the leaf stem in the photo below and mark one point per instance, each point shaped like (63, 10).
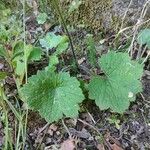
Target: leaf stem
(56, 5)
(24, 41)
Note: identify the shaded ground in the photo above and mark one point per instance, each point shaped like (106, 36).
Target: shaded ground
(95, 130)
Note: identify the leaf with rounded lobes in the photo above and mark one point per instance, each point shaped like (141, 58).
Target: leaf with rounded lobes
(53, 95)
(122, 77)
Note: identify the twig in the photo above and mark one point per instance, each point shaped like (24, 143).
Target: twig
(144, 99)
(66, 128)
(47, 125)
(144, 50)
(145, 123)
(125, 14)
(42, 138)
(146, 58)
(137, 25)
(90, 116)
(84, 122)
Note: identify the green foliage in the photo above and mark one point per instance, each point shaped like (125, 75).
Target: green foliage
(10, 29)
(120, 83)
(53, 60)
(144, 37)
(5, 12)
(2, 51)
(41, 18)
(91, 50)
(32, 54)
(58, 42)
(2, 75)
(3, 34)
(53, 95)
(35, 54)
(18, 48)
(17, 56)
(53, 41)
(56, 95)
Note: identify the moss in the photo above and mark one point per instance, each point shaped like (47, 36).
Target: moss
(92, 14)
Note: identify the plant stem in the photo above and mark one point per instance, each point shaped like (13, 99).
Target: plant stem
(8, 139)
(24, 132)
(56, 5)
(24, 41)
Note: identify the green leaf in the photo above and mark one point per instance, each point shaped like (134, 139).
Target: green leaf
(144, 37)
(2, 51)
(61, 48)
(52, 41)
(121, 82)
(53, 60)
(91, 50)
(2, 75)
(35, 54)
(32, 54)
(53, 95)
(41, 18)
(19, 66)
(18, 49)
(3, 34)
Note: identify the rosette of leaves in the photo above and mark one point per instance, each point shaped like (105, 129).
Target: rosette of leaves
(53, 95)
(119, 84)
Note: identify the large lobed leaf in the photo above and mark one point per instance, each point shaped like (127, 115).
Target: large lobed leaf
(121, 82)
(53, 95)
